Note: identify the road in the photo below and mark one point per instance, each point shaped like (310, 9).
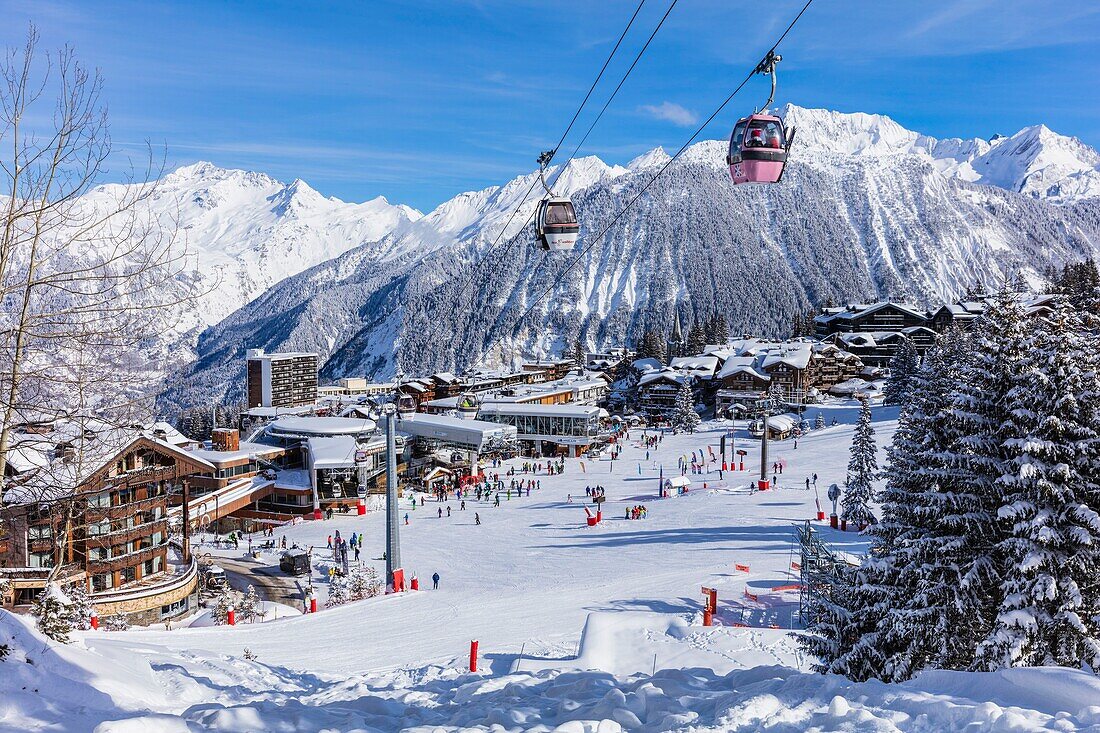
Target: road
(271, 583)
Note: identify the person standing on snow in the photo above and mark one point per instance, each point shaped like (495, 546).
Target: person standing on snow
(435, 581)
(477, 519)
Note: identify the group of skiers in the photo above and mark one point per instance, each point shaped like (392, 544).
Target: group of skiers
(595, 491)
(636, 512)
(339, 546)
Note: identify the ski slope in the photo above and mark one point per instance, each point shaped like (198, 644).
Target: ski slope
(580, 629)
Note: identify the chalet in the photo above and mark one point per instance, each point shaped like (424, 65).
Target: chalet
(877, 348)
(883, 316)
(88, 502)
(657, 390)
(794, 370)
(965, 312)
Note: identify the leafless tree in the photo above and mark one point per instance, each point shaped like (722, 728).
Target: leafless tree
(89, 277)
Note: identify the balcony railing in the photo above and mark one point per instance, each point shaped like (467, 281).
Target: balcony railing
(124, 534)
(124, 561)
(95, 513)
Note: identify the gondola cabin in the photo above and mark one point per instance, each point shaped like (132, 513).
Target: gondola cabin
(758, 149)
(556, 226)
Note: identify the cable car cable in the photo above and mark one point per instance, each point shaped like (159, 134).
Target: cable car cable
(569, 127)
(657, 175)
(617, 88)
(549, 155)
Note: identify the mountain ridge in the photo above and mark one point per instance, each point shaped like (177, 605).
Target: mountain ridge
(867, 209)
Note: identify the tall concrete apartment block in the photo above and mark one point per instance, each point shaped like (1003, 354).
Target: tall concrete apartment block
(281, 380)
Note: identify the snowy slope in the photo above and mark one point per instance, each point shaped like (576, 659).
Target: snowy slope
(867, 210)
(589, 629)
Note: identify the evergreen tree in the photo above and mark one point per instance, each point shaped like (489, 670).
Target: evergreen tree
(51, 611)
(684, 416)
(578, 354)
(221, 607)
(1049, 526)
(364, 583)
(802, 325)
(862, 470)
(652, 347)
(903, 370)
(872, 635)
(249, 607)
(696, 340)
(116, 622)
(819, 421)
(80, 610)
(717, 330)
(337, 592)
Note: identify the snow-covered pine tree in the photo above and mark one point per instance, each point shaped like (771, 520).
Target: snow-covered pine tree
(696, 340)
(578, 354)
(884, 639)
(1049, 548)
(51, 611)
(652, 346)
(80, 609)
(903, 369)
(819, 421)
(337, 592)
(856, 500)
(116, 622)
(684, 417)
(248, 609)
(364, 583)
(222, 605)
(717, 329)
(972, 495)
(938, 575)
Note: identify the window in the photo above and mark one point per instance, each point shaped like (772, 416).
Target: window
(101, 527)
(102, 581)
(738, 135)
(100, 501)
(39, 532)
(98, 553)
(127, 575)
(176, 608)
(40, 560)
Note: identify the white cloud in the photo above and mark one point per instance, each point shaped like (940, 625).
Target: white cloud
(671, 112)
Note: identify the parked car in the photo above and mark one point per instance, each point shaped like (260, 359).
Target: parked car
(294, 562)
(215, 578)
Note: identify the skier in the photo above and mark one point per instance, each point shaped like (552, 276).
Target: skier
(477, 519)
(448, 510)
(406, 517)
(435, 581)
(441, 512)
(462, 506)
(815, 479)
(807, 483)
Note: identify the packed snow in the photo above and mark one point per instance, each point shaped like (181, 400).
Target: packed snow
(581, 629)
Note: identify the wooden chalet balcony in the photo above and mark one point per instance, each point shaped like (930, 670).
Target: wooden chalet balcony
(97, 513)
(125, 534)
(124, 561)
(42, 545)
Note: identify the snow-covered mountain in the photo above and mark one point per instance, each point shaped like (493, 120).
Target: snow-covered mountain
(1035, 161)
(867, 209)
(245, 232)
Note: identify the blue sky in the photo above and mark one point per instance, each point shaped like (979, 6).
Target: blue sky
(418, 101)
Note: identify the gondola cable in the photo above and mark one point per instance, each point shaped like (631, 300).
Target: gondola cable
(653, 179)
(569, 127)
